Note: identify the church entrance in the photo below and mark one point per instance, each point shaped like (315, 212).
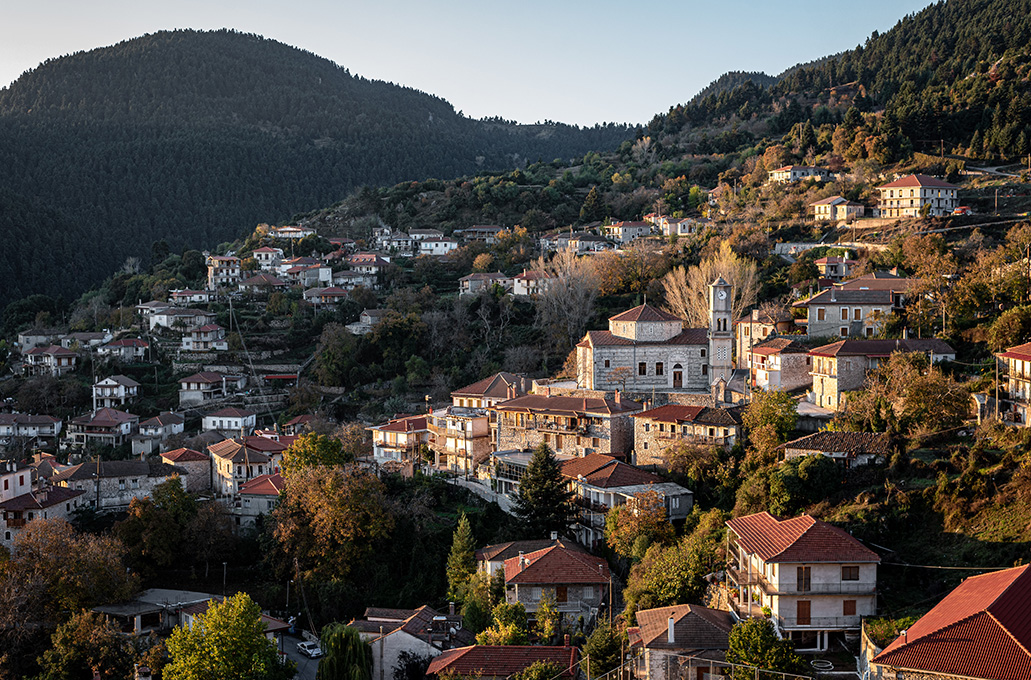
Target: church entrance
(678, 377)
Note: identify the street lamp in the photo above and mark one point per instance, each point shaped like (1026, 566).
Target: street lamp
(223, 580)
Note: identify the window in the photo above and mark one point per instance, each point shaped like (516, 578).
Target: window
(135, 483)
(857, 314)
(121, 484)
(844, 313)
(642, 368)
(821, 314)
(606, 363)
(848, 608)
(850, 573)
(595, 442)
(658, 368)
(588, 592)
(843, 331)
(804, 583)
(747, 328)
(6, 484)
(803, 612)
(702, 354)
(647, 427)
(646, 446)
(705, 368)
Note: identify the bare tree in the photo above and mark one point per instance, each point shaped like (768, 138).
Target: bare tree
(565, 306)
(687, 290)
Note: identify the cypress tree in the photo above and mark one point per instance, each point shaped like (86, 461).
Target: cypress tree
(461, 563)
(544, 504)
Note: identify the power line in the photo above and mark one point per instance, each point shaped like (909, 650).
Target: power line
(936, 566)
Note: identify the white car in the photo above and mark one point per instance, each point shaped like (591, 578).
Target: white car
(309, 649)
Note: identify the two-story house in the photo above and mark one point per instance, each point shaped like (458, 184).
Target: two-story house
(655, 430)
(779, 364)
(461, 438)
(575, 581)
(795, 173)
(758, 326)
(531, 283)
(483, 394)
(1016, 384)
(51, 360)
(235, 464)
(194, 466)
(846, 312)
(187, 296)
(817, 580)
(684, 636)
(102, 426)
(330, 295)
(115, 390)
(913, 195)
(155, 431)
(44, 503)
(570, 425)
(223, 272)
(601, 483)
(834, 267)
(129, 349)
(473, 283)
(255, 498)
(842, 366)
(491, 558)
(836, 209)
(268, 258)
(230, 420)
(113, 484)
(437, 247)
(625, 232)
(400, 439)
(28, 426)
(880, 280)
(208, 385)
(291, 232)
(262, 283)
(208, 338)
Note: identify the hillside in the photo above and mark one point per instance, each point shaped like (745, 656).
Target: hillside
(194, 137)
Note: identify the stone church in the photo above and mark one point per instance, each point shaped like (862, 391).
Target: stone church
(646, 349)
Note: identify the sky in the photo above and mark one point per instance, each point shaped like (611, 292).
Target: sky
(570, 61)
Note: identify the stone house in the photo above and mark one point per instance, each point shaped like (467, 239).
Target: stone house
(779, 364)
(655, 430)
(176, 318)
(978, 632)
(207, 386)
(575, 581)
(194, 467)
(133, 349)
(230, 420)
(112, 484)
(601, 483)
(114, 391)
(102, 426)
(37, 337)
(880, 280)
(569, 425)
(910, 195)
(85, 340)
(669, 635)
(234, 464)
(846, 312)
(842, 366)
(848, 448)
(817, 580)
(262, 283)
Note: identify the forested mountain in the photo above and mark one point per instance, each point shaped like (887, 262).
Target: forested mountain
(955, 72)
(194, 137)
(731, 80)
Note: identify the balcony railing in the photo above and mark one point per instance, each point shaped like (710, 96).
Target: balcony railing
(818, 622)
(743, 578)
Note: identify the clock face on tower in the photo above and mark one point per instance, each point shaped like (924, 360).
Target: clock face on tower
(722, 295)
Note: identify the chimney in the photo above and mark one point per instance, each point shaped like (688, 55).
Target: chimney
(565, 640)
(451, 608)
(670, 637)
(522, 562)
(755, 315)
(619, 397)
(905, 636)
(834, 297)
(547, 391)
(554, 535)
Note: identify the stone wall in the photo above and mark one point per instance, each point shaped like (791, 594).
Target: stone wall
(624, 362)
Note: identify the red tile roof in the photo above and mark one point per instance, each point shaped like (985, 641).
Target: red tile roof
(689, 336)
(235, 451)
(918, 181)
(882, 348)
(645, 312)
(557, 565)
(38, 500)
(496, 385)
(204, 377)
(799, 539)
(486, 661)
(183, 455)
(1020, 352)
(410, 424)
(104, 417)
(982, 629)
(231, 412)
(779, 346)
(606, 472)
(676, 413)
(263, 485)
(265, 444)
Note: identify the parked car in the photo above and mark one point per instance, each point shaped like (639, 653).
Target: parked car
(309, 649)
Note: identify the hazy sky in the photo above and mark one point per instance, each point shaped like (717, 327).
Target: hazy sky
(563, 60)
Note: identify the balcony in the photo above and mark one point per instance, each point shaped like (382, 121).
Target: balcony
(819, 622)
(789, 589)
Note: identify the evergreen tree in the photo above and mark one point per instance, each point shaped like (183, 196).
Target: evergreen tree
(806, 137)
(593, 208)
(544, 504)
(602, 650)
(461, 563)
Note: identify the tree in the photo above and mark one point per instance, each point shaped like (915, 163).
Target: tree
(593, 209)
(226, 641)
(312, 450)
(539, 670)
(461, 563)
(155, 528)
(347, 656)
(631, 528)
(509, 626)
(210, 534)
(543, 503)
(774, 409)
(547, 619)
(566, 304)
(754, 642)
(675, 574)
(91, 643)
(602, 650)
(479, 599)
(802, 481)
(334, 356)
(687, 290)
(329, 519)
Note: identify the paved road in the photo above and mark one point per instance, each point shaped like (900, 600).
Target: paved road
(305, 667)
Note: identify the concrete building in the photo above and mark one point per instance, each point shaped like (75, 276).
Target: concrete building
(913, 195)
(114, 391)
(102, 426)
(231, 420)
(836, 209)
(1015, 406)
(256, 498)
(223, 272)
(400, 439)
(758, 326)
(52, 360)
(208, 386)
(28, 426)
(779, 364)
(575, 581)
(817, 580)
(795, 173)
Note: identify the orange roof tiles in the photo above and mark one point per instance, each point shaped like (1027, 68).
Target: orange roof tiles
(799, 539)
(183, 455)
(982, 629)
(645, 312)
(263, 485)
(918, 181)
(502, 661)
(556, 565)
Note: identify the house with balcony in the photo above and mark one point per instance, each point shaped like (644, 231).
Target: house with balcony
(780, 364)
(330, 295)
(400, 439)
(437, 247)
(796, 173)
(223, 272)
(531, 283)
(576, 582)
(687, 635)
(350, 280)
(834, 267)
(600, 483)
(473, 283)
(230, 420)
(208, 338)
(1015, 399)
(127, 350)
(842, 366)
(978, 632)
(113, 484)
(262, 283)
(268, 258)
(178, 319)
(817, 580)
(155, 431)
(484, 233)
(460, 438)
(913, 195)
(655, 430)
(836, 209)
(188, 296)
(508, 468)
(44, 503)
(27, 426)
(207, 386)
(51, 360)
(569, 425)
(234, 463)
(291, 232)
(102, 426)
(625, 232)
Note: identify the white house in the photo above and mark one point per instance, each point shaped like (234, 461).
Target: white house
(230, 420)
(114, 391)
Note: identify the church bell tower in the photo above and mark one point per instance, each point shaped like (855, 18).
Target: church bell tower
(721, 332)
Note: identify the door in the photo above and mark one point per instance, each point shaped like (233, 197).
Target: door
(803, 617)
(678, 376)
(561, 593)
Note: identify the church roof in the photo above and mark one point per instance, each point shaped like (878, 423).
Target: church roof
(689, 336)
(645, 312)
